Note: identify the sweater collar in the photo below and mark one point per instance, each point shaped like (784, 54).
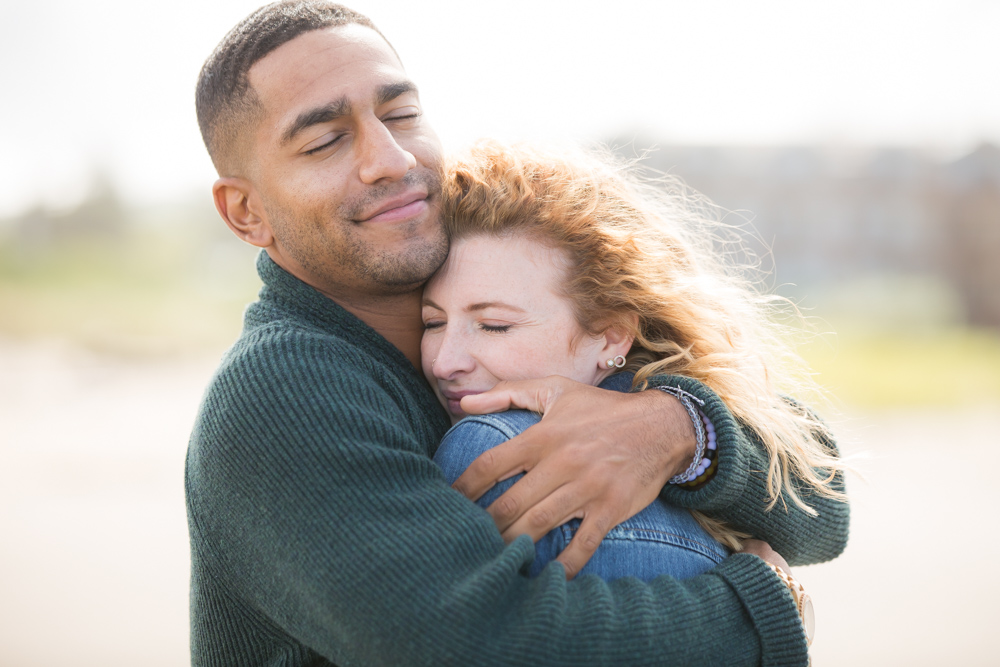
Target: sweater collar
(286, 292)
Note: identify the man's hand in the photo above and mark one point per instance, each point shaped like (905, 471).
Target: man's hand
(597, 455)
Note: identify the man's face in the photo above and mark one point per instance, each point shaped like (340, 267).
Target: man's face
(347, 170)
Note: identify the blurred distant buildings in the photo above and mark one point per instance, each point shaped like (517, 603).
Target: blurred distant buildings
(830, 217)
(102, 215)
(834, 216)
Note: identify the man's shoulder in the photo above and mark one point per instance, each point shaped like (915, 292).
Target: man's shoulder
(284, 337)
(283, 351)
(285, 377)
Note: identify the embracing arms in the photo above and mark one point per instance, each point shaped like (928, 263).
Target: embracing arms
(601, 456)
(318, 521)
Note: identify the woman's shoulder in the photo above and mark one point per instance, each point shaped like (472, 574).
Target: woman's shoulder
(508, 423)
(485, 431)
(475, 434)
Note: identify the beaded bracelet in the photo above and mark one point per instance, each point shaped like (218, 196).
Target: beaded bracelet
(696, 468)
(711, 454)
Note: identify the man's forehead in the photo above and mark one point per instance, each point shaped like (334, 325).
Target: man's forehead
(341, 60)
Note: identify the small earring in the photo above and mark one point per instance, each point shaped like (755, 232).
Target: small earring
(617, 362)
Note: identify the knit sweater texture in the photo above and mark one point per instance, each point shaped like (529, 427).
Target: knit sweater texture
(322, 533)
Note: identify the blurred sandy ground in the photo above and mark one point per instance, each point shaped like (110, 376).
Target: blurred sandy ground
(94, 556)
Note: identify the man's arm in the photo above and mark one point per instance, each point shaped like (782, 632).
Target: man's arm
(738, 493)
(318, 512)
(594, 454)
(599, 456)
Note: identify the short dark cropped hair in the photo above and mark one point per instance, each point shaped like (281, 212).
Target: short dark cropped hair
(225, 101)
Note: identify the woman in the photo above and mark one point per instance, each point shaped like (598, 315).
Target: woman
(567, 267)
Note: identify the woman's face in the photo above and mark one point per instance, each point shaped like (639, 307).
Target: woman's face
(494, 312)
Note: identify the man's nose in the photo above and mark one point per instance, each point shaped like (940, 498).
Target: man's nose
(453, 357)
(381, 157)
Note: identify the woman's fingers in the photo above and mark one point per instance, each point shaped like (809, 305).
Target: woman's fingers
(764, 551)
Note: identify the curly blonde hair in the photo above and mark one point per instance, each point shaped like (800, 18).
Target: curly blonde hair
(646, 250)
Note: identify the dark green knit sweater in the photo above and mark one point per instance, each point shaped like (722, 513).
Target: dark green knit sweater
(321, 532)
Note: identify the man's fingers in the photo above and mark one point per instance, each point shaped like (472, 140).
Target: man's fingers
(535, 518)
(495, 465)
(534, 395)
(583, 545)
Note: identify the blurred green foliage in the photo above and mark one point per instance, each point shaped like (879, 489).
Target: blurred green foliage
(144, 289)
(886, 368)
(177, 283)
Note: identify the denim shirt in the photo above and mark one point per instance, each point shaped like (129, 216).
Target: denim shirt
(661, 539)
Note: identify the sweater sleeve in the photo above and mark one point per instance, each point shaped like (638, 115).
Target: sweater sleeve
(313, 507)
(738, 492)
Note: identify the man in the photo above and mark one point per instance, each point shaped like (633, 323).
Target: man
(321, 531)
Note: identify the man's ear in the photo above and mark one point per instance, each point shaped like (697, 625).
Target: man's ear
(237, 202)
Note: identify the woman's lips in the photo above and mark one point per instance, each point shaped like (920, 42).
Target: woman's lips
(454, 399)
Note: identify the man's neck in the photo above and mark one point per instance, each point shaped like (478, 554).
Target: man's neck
(396, 318)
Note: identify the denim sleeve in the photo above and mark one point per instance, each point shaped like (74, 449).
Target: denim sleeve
(476, 434)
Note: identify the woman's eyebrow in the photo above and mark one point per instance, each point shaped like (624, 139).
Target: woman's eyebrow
(494, 304)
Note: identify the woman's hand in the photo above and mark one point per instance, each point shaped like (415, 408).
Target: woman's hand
(764, 551)
(599, 456)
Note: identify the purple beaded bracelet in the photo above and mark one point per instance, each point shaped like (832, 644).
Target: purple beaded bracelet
(704, 432)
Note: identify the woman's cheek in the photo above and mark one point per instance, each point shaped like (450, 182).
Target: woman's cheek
(520, 358)
(428, 352)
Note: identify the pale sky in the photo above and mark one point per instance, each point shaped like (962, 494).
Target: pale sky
(109, 83)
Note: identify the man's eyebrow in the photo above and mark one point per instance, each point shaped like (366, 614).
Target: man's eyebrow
(324, 114)
(391, 91)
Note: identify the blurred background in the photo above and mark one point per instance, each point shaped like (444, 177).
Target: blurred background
(858, 141)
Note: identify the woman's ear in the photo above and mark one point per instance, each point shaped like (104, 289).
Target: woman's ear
(237, 202)
(617, 341)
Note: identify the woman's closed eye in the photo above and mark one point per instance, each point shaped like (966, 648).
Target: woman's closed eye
(433, 324)
(494, 328)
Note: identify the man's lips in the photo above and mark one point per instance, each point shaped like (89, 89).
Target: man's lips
(400, 207)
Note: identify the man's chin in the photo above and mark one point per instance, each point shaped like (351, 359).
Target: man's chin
(410, 269)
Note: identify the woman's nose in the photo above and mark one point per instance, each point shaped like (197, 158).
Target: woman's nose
(452, 357)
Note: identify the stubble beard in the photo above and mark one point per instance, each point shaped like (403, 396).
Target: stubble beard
(372, 268)
(394, 273)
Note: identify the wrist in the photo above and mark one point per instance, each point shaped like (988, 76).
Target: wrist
(771, 609)
(702, 464)
(803, 603)
(679, 439)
